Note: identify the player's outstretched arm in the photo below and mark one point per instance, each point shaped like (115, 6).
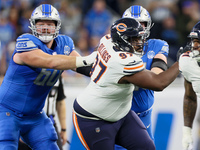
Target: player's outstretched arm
(190, 104)
(149, 80)
(37, 58)
(189, 111)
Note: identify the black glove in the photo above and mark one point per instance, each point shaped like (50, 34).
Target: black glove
(183, 50)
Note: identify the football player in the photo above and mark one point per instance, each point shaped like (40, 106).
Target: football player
(189, 67)
(102, 112)
(36, 64)
(155, 59)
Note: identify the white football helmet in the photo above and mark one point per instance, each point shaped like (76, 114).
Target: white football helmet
(45, 12)
(140, 14)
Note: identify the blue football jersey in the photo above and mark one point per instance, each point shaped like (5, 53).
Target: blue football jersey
(143, 99)
(24, 88)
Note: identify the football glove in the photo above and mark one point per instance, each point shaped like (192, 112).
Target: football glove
(182, 50)
(195, 54)
(86, 60)
(187, 141)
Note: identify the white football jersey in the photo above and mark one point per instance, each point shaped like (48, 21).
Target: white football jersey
(104, 97)
(191, 71)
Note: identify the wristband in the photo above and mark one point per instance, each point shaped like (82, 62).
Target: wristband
(187, 130)
(80, 62)
(63, 130)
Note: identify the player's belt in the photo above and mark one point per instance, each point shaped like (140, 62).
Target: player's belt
(86, 117)
(25, 115)
(19, 114)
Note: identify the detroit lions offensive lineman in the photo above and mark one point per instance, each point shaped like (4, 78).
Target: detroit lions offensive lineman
(102, 112)
(155, 59)
(189, 66)
(36, 64)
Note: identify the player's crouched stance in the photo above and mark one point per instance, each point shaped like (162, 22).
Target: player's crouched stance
(102, 112)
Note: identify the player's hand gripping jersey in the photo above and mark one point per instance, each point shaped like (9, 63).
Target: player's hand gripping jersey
(33, 84)
(110, 66)
(190, 69)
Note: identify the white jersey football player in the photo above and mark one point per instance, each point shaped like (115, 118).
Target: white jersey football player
(102, 112)
(155, 59)
(189, 66)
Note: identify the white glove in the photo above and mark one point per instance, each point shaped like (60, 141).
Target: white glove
(195, 54)
(187, 141)
(86, 60)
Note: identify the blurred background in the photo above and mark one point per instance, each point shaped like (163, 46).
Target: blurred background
(86, 21)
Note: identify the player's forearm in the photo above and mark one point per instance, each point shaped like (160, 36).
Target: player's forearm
(61, 110)
(189, 111)
(159, 82)
(61, 62)
(168, 76)
(39, 59)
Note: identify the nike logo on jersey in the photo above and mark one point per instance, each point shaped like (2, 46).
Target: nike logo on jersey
(148, 126)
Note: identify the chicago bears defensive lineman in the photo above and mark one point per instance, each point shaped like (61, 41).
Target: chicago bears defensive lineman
(154, 58)
(36, 64)
(189, 67)
(102, 112)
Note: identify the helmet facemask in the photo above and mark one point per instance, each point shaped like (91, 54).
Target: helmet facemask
(128, 35)
(137, 44)
(195, 37)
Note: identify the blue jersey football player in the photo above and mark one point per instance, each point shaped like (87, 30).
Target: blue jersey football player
(155, 58)
(37, 63)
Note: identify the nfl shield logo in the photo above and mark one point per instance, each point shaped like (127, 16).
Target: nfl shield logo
(97, 130)
(151, 54)
(66, 50)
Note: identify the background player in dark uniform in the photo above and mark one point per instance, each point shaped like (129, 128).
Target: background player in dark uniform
(55, 103)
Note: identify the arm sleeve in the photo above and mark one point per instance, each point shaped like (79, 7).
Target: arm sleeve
(61, 94)
(84, 70)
